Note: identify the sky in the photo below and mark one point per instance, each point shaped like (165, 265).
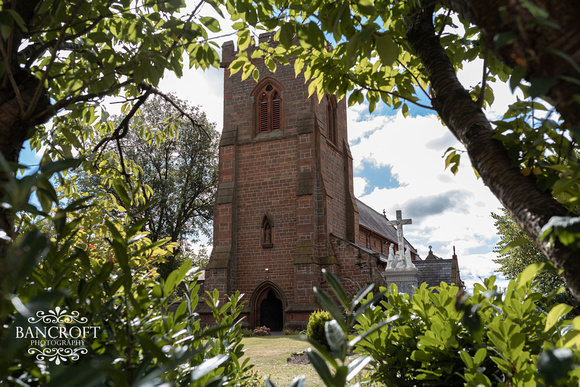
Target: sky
(399, 165)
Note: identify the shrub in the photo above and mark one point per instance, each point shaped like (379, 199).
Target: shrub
(315, 328)
(246, 332)
(447, 337)
(262, 331)
(251, 378)
(107, 276)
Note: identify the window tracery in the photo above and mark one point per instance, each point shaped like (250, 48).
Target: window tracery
(269, 109)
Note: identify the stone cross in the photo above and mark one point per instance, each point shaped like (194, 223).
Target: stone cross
(399, 225)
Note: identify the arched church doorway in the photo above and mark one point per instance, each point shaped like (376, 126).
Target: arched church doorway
(268, 306)
(272, 312)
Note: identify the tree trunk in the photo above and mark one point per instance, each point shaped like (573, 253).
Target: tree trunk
(544, 47)
(20, 107)
(530, 207)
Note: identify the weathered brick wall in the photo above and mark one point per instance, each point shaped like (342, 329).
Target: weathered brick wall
(358, 267)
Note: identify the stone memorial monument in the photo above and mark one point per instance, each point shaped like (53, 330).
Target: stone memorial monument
(400, 268)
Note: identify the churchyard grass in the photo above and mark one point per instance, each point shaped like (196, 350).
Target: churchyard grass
(269, 356)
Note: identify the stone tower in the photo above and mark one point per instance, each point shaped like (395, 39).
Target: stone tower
(285, 198)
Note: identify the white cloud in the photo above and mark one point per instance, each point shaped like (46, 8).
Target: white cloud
(199, 88)
(360, 184)
(447, 210)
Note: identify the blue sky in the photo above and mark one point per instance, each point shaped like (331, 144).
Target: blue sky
(377, 176)
(29, 158)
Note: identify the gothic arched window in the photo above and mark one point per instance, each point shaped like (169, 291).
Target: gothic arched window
(269, 107)
(331, 118)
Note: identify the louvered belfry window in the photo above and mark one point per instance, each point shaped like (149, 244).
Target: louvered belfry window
(269, 110)
(264, 113)
(276, 111)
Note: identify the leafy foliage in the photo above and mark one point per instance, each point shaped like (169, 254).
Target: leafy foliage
(344, 316)
(315, 327)
(108, 275)
(443, 336)
(489, 338)
(541, 146)
(59, 61)
(517, 251)
(168, 159)
(177, 158)
(84, 51)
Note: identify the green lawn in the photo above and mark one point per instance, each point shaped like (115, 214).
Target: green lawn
(269, 354)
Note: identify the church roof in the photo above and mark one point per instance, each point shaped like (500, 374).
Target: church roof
(432, 256)
(434, 271)
(378, 223)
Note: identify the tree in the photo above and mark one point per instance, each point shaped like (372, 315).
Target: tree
(59, 61)
(394, 51)
(174, 161)
(181, 169)
(517, 251)
(66, 57)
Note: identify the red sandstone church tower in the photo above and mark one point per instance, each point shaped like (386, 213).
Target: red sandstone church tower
(285, 207)
(285, 189)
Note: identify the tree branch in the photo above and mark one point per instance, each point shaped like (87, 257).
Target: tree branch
(191, 118)
(369, 88)
(123, 127)
(529, 206)
(481, 97)
(10, 75)
(40, 89)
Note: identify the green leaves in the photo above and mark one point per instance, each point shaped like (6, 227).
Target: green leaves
(208, 366)
(540, 86)
(565, 228)
(555, 364)
(337, 333)
(352, 48)
(211, 23)
(286, 35)
(556, 312)
(8, 18)
(513, 244)
(452, 159)
(431, 342)
(387, 49)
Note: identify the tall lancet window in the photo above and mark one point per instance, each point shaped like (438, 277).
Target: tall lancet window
(269, 108)
(331, 117)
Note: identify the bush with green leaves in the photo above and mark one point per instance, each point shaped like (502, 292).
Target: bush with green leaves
(315, 327)
(102, 265)
(443, 336)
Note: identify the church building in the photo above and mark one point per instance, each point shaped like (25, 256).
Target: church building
(285, 206)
